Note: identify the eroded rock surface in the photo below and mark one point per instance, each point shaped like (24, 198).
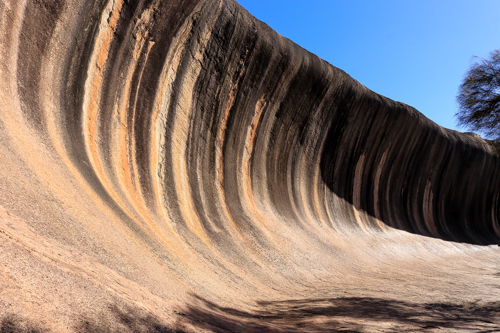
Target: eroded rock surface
(179, 166)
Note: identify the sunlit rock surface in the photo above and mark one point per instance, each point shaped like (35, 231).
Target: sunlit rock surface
(179, 166)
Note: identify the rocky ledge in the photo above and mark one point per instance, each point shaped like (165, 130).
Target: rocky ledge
(179, 166)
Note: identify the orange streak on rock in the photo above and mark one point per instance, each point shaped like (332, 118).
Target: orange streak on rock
(428, 209)
(376, 193)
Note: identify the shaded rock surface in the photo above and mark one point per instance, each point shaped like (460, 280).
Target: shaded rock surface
(173, 166)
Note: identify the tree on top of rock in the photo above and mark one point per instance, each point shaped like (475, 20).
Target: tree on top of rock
(479, 97)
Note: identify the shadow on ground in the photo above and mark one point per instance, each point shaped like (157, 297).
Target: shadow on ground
(15, 324)
(355, 314)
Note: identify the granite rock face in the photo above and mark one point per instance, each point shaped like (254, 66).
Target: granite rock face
(178, 165)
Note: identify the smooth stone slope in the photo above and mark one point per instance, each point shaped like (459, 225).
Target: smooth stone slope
(179, 166)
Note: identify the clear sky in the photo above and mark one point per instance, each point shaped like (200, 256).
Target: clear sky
(412, 51)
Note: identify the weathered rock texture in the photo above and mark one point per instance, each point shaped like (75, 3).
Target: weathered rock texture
(178, 165)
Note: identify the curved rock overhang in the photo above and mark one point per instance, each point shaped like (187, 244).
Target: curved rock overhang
(166, 155)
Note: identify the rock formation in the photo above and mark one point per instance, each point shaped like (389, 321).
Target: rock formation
(177, 165)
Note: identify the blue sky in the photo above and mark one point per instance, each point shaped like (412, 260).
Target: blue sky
(415, 52)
